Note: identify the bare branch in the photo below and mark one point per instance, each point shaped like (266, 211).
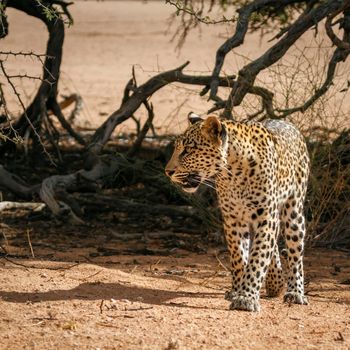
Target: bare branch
(51, 65)
(46, 97)
(143, 132)
(237, 39)
(53, 185)
(56, 109)
(64, 6)
(248, 73)
(328, 25)
(26, 76)
(52, 13)
(51, 132)
(182, 7)
(3, 104)
(78, 105)
(30, 54)
(3, 20)
(131, 86)
(140, 95)
(267, 100)
(24, 109)
(338, 56)
(16, 185)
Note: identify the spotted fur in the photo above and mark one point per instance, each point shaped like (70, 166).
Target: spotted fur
(260, 172)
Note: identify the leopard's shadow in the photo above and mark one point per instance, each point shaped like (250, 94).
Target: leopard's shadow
(105, 291)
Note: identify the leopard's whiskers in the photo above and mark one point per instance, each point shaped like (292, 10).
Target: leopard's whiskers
(225, 168)
(209, 184)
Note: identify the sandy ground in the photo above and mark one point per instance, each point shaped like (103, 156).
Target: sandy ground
(173, 302)
(101, 287)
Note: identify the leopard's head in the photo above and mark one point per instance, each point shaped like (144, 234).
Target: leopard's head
(199, 154)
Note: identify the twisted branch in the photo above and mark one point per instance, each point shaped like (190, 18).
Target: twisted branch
(341, 44)
(244, 16)
(141, 94)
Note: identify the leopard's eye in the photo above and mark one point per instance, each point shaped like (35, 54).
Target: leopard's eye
(184, 152)
(187, 149)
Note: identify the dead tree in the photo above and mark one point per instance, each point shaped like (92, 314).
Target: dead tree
(98, 166)
(51, 13)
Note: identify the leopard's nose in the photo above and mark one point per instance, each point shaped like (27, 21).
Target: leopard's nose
(169, 172)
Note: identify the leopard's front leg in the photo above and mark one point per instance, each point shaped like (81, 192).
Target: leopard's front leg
(237, 238)
(263, 244)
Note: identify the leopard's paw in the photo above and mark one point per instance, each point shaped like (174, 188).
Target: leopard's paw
(295, 298)
(241, 302)
(230, 295)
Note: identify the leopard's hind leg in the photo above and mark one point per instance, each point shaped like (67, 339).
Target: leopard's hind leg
(274, 280)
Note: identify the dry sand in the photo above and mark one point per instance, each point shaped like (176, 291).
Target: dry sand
(173, 302)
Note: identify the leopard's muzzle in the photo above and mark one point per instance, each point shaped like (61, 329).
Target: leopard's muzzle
(192, 181)
(189, 182)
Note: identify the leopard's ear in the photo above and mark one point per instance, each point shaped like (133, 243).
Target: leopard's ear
(194, 118)
(212, 127)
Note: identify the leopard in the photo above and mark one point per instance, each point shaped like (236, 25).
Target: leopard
(260, 172)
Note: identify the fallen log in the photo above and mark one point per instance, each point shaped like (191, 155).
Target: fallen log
(6, 205)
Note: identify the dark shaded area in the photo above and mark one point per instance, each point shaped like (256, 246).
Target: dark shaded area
(328, 209)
